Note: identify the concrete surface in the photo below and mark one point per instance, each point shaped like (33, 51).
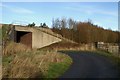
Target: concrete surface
(39, 38)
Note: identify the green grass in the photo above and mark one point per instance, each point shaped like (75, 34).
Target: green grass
(57, 69)
(115, 59)
(50, 68)
(108, 54)
(6, 60)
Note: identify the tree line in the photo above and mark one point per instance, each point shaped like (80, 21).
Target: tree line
(84, 32)
(42, 25)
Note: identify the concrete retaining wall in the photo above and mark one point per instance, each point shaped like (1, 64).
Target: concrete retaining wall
(39, 38)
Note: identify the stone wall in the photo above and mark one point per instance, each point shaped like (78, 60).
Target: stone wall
(110, 47)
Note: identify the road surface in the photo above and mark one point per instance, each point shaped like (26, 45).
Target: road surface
(89, 65)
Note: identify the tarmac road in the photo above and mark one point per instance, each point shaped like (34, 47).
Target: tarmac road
(89, 65)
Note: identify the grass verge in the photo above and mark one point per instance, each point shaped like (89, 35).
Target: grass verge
(55, 70)
(115, 59)
(34, 64)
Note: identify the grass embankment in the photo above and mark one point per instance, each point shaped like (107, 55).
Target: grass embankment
(64, 45)
(112, 56)
(34, 64)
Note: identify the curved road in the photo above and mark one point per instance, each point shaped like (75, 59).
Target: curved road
(89, 65)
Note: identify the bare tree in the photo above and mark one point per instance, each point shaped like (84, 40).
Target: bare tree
(70, 23)
(63, 23)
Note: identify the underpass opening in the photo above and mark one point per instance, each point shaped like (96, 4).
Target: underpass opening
(24, 38)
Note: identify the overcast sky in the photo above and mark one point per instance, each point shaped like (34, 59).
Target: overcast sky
(104, 14)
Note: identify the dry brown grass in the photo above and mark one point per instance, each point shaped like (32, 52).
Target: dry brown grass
(30, 64)
(71, 46)
(13, 48)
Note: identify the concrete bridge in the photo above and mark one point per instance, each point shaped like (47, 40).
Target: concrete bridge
(33, 37)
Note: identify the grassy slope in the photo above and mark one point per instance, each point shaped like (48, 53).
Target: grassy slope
(55, 70)
(115, 59)
(37, 64)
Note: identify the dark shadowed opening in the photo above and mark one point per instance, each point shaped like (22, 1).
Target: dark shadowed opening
(24, 38)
